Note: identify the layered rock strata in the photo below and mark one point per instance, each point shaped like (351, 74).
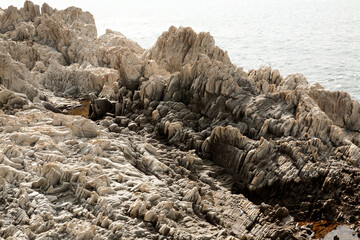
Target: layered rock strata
(182, 143)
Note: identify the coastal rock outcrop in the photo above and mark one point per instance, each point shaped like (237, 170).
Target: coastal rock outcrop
(180, 46)
(180, 144)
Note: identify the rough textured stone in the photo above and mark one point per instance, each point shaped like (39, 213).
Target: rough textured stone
(183, 144)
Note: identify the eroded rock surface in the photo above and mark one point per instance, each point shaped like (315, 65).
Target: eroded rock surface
(182, 143)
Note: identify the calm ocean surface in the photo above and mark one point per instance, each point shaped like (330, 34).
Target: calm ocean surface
(319, 38)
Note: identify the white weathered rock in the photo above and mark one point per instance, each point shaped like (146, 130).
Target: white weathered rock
(64, 176)
(153, 89)
(179, 46)
(84, 128)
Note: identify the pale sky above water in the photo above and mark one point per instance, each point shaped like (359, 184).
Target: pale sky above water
(319, 38)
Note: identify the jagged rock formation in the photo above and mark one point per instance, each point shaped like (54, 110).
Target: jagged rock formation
(184, 145)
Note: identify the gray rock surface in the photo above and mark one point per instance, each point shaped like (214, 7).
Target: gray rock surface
(182, 143)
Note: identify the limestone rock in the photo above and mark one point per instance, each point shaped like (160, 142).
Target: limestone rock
(189, 44)
(15, 77)
(77, 81)
(152, 89)
(182, 143)
(84, 128)
(10, 99)
(99, 107)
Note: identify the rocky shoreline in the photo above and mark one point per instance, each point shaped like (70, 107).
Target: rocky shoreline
(179, 144)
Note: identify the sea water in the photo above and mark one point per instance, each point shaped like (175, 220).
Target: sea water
(319, 38)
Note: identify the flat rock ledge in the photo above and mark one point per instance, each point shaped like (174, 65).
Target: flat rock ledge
(179, 144)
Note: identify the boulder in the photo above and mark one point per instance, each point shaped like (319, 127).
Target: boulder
(9, 99)
(84, 128)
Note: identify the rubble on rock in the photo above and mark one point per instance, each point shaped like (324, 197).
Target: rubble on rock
(181, 143)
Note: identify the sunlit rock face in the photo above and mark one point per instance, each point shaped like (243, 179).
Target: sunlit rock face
(180, 143)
